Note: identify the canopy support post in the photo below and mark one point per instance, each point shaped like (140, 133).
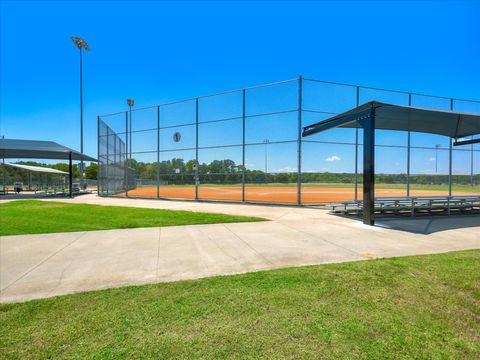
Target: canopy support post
(70, 175)
(369, 168)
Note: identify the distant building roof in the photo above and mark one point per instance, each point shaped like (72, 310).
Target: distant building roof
(37, 149)
(37, 168)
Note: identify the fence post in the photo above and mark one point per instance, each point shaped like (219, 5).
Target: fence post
(107, 171)
(356, 148)
(408, 147)
(450, 160)
(196, 148)
(158, 152)
(244, 95)
(126, 153)
(98, 156)
(299, 141)
(471, 165)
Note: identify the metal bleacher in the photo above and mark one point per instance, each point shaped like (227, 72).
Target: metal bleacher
(411, 205)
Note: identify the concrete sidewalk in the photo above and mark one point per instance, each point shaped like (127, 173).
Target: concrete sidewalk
(37, 266)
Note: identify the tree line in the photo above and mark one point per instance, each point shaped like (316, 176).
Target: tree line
(227, 171)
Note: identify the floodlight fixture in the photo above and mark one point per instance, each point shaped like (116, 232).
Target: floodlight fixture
(79, 43)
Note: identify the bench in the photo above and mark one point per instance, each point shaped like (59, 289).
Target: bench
(412, 205)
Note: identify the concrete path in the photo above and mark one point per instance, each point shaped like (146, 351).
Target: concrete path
(37, 266)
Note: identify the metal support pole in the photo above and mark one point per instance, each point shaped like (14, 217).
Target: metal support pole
(114, 163)
(450, 159)
(107, 173)
(70, 175)
(81, 117)
(4, 171)
(450, 167)
(369, 169)
(356, 148)
(408, 147)
(29, 181)
(126, 153)
(158, 151)
(471, 164)
(130, 133)
(196, 148)
(299, 141)
(266, 142)
(244, 96)
(99, 176)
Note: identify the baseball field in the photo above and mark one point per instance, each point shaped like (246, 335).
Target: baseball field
(287, 193)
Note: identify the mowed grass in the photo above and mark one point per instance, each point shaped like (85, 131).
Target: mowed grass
(37, 217)
(400, 308)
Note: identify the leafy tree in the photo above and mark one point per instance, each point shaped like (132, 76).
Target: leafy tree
(91, 171)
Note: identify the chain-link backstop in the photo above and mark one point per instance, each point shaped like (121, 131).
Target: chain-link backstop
(246, 145)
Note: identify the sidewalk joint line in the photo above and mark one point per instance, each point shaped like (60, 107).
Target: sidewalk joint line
(246, 243)
(43, 261)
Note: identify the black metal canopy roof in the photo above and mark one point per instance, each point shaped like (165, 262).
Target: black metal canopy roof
(37, 149)
(453, 124)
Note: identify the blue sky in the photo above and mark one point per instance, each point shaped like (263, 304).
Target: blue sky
(157, 52)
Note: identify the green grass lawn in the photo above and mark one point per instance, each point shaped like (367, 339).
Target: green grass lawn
(400, 308)
(37, 217)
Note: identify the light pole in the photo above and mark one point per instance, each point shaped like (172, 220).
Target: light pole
(130, 103)
(80, 43)
(436, 157)
(266, 142)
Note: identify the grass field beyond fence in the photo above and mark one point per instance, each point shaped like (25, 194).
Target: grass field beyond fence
(400, 308)
(37, 217)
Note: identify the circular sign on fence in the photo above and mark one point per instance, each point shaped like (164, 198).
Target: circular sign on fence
(177, 137)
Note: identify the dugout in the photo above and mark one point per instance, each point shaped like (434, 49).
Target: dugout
(377, 115)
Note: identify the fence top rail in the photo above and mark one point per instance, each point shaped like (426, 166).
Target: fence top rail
(205, 96)
(283, 82)
(390, 90)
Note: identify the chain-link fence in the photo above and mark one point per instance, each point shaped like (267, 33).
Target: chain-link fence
(246, 145)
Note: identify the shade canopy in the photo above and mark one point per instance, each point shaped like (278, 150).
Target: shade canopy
(453, 124)
(376, 115)
(36, 149)
(40, 169)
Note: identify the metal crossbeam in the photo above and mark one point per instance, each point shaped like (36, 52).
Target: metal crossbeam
(335, 122)
(466, 142)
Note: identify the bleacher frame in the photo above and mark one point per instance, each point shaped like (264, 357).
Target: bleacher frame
(411, 205)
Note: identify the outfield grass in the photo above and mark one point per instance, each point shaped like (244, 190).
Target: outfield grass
(37, 217)
(399, 308)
